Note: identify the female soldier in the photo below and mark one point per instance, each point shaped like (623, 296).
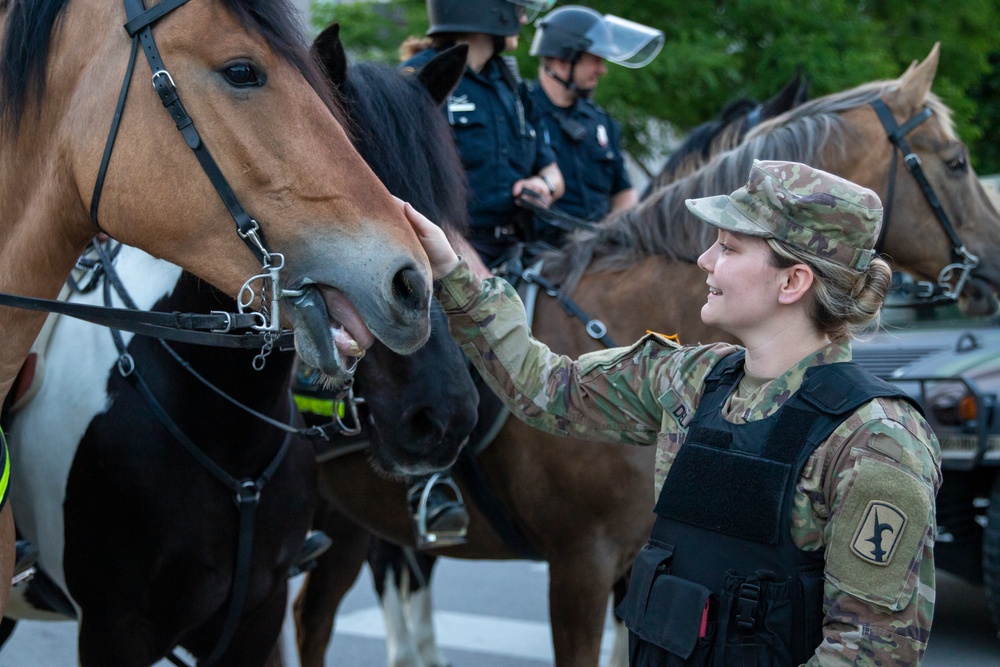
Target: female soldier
(795, 520)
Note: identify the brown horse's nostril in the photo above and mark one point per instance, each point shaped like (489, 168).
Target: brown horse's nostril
(410, 288)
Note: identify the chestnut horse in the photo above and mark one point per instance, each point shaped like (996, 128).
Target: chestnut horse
(586, 508)
(141, 451)
(252, 96)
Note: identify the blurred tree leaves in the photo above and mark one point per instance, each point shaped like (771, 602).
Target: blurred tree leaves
(718, 51)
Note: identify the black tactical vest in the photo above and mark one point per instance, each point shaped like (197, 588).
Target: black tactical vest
(720, 582)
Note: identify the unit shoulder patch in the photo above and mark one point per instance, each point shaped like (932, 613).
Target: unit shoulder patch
(878, 533)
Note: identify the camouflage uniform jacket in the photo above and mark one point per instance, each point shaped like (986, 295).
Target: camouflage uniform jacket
(884, 455)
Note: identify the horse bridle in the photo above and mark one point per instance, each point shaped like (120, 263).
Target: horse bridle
(201, 329)
(952, 277)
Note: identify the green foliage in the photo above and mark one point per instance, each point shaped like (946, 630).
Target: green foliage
(718, 51)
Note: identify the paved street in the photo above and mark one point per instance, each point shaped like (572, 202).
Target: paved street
(493, 614)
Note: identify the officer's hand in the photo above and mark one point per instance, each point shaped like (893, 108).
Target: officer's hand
(442, 257)
(539, 191)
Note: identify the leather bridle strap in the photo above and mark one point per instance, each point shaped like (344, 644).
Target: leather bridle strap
(897, 135)
(952, 278)
(139, 27)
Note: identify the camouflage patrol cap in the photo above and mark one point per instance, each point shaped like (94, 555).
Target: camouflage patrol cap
(809, 209)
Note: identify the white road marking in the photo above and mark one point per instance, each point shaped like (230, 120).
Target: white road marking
(475, 633)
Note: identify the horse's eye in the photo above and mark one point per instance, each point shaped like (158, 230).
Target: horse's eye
(242, 75)
(957, 164)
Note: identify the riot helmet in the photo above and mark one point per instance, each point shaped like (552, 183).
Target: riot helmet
(500, 18)
(570, 31)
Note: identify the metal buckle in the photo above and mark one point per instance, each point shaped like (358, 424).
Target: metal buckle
(597, 329)
(746, 611)
(229, 321)
(162, 72)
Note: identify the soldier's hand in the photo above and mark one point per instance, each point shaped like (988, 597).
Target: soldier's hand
(441, 255)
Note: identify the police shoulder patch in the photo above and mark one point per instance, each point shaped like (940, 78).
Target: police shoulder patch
(878, 532)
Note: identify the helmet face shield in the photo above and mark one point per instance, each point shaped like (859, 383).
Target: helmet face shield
(623, 42)
(530, 9)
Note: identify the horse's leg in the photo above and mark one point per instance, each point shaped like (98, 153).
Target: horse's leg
(392, 583)
(579, 585)
(421, 614)
(327, 584)
(402, 580)
(619, 649)
(7, 554)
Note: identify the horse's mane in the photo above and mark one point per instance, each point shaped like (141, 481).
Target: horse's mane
(662, 225)
(697, 145)
(31, 24)
(406, 139)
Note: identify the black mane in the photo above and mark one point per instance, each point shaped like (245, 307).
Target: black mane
(414, 131)
(699, 140)
(31, 24)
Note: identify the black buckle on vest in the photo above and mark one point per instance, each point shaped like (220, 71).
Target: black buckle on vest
(746, 610)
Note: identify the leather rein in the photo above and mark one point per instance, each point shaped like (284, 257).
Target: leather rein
(263, 326)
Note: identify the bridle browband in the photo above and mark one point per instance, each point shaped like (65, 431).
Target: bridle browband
(215, 328)
(952, 277)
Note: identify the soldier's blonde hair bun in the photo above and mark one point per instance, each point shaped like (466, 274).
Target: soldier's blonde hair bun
(846, 303)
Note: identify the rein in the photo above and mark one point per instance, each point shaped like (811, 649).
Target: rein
(952, 277)
(213, 329)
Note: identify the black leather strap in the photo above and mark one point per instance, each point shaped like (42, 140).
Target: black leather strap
(897, 135)
(139, 27)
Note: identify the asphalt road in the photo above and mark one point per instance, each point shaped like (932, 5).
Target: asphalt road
(494, 614)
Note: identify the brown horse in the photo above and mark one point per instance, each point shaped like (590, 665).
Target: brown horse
(586, 508)
(259, 103)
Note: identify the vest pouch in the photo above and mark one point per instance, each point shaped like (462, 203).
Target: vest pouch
(665, 614)
(756, 621)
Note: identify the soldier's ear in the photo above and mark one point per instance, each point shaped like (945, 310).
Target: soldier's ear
(794, 284)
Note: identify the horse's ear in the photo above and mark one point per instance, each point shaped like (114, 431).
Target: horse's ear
(802, 94)
(916, 82)
(788, 97)
(330, 51)
(441, 74)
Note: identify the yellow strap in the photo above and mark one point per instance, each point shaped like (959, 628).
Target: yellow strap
(319, 406)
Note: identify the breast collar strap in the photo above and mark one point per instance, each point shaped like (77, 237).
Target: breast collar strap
(952, 277)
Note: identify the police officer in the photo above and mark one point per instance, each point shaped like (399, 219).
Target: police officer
(505, 158)
(502, 152)
(795, 521)
(574, 44)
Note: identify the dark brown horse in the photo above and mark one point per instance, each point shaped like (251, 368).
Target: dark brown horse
(258, 103)
(586, 508)
(726, 131)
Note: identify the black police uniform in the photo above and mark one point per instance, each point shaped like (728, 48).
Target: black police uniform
(721, 582)
(587, 144)
(498, 146)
